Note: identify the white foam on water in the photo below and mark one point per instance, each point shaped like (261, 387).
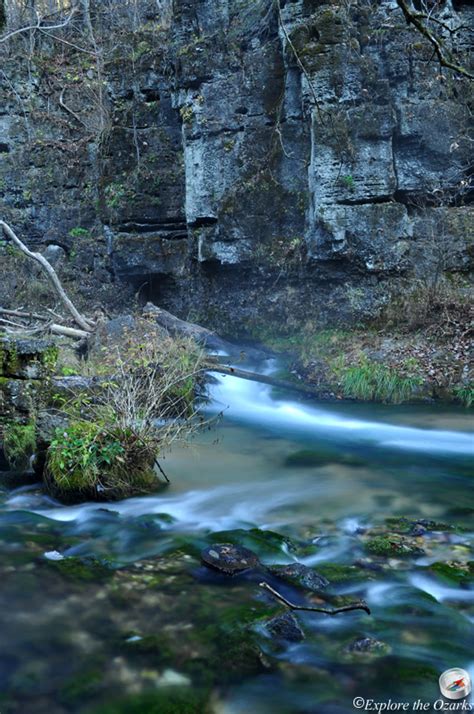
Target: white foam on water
(252, 403)
(441, 592)
(218, 508)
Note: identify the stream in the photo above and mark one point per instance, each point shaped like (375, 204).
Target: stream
(107, 608)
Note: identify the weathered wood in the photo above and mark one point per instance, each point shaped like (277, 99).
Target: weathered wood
(211, 366)
(24, 314)
(69, 331)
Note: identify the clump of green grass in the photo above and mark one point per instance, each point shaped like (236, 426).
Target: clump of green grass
(370, 381)
(465, 394)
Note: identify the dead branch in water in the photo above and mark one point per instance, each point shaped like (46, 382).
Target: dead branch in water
(360, 605)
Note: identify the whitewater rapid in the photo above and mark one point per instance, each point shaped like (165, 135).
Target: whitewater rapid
(252, 403)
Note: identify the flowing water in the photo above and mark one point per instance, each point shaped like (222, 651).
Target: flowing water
(292, 480)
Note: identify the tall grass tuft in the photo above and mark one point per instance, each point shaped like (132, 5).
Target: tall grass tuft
(370, 381)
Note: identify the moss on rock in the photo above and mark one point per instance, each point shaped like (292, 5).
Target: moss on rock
(454, 572)
(19, 443)
(392, 545)
(88, 461)
(82, 570)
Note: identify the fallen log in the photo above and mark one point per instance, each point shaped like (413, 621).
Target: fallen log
(207, 338)
(211, 366)
(69, 331)
(24, 314)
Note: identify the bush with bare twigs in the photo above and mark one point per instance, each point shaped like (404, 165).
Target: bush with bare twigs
(144, 403)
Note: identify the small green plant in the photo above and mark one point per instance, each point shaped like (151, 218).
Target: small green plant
(348, 182)
(187, 114)
(87, 459)
(114, 194)
(79, 232)
(66, 371)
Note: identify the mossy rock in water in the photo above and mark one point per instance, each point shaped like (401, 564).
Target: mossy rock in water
(85, 684)
(167, 700)
(82, 570)
(342, 573)
(154, 647)
(285, 627)
(300, 575)
(454, 572)
(321, 457)
(392, 545)
(228, 558)
(264, 543)
(367, 647)
(407, 525)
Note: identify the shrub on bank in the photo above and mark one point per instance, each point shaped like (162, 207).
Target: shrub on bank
(144, 402)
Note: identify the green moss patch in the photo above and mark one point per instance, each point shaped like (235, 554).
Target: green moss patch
(89, 461)
(454, 572)
(19, 443)
(82, 570)
(392, 545)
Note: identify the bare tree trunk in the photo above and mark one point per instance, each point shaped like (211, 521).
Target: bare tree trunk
(82, 321)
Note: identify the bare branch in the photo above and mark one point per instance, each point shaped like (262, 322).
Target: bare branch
(68, 109)
(360, 605)
(83, 322)
(39, 26)
(416, 19)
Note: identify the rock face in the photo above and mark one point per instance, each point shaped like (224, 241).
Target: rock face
(200, 171)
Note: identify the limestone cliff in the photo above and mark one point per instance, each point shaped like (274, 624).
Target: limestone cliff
(236, 160)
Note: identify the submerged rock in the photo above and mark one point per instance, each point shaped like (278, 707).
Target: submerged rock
(454, 572)
(80, 570)
(300, 575)
(285, 627)
(393, 545)
(228, 558)
(367, 645)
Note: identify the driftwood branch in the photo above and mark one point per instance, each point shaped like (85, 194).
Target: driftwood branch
(82, 321)
(360, 605)
(416, 19)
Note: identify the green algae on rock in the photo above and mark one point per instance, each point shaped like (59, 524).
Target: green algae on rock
(392, 545)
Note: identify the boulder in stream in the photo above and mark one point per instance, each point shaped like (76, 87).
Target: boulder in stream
(367, 646)
(285, 627)
(229, 558)
(300, 575)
